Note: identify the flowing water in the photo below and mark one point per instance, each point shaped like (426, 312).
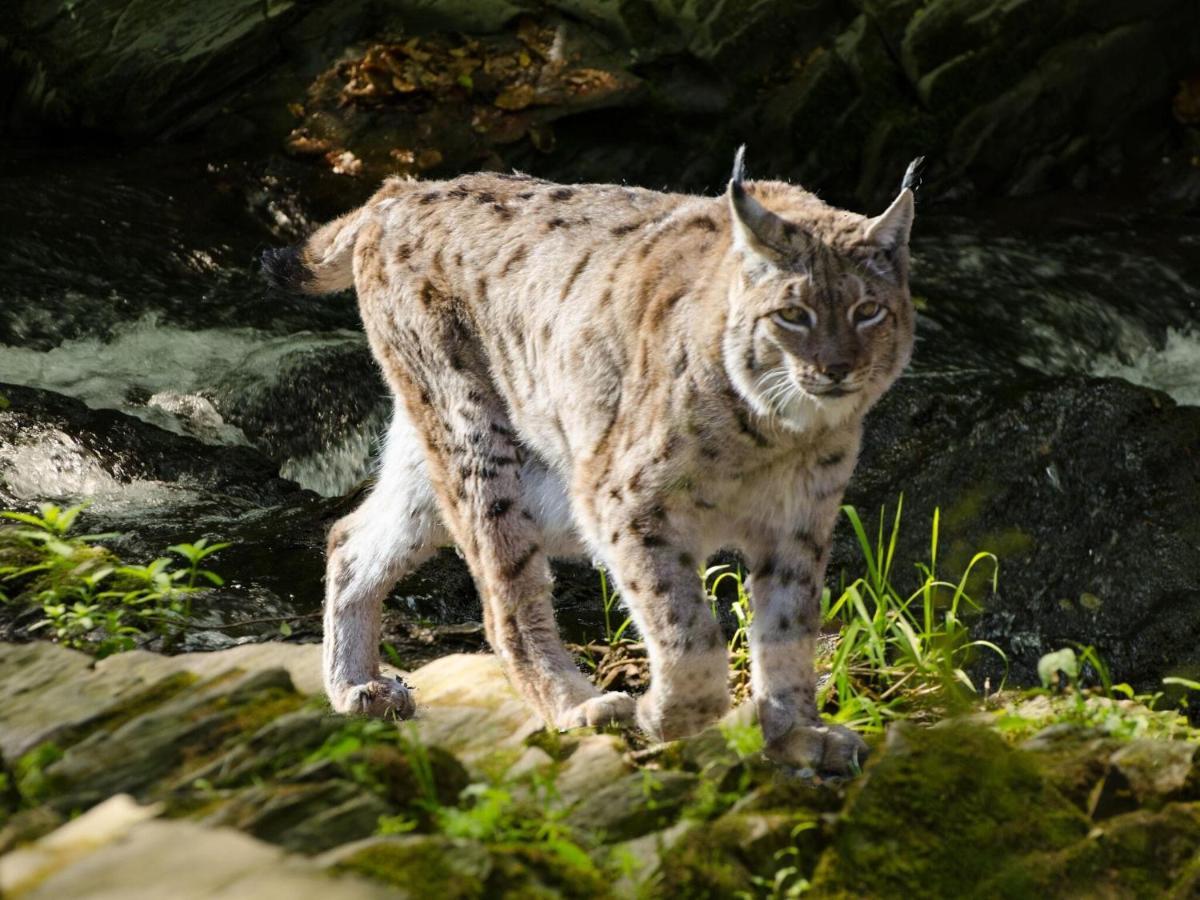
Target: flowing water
(129, 284)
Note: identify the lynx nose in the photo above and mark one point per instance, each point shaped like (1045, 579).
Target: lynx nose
(836, 372)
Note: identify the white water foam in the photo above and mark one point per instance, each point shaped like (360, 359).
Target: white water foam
(165, 375)
(1174, 369)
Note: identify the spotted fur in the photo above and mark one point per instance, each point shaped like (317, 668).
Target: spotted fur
(628, 374)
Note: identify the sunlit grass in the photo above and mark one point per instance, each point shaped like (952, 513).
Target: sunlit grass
(898, 654)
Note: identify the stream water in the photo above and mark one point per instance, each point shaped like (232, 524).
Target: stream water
(128, 283)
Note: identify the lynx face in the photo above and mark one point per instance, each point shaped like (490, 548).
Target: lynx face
(821, 324)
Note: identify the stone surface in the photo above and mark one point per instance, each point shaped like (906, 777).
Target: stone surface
(235, 767)
(112, 852)
(465, 704)
(50, 690)
(941, 808)
(1086, 489)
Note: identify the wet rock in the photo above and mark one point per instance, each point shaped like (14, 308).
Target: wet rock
(1086, 490)
(54, 447)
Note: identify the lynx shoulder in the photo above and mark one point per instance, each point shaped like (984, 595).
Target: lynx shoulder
(643, 377)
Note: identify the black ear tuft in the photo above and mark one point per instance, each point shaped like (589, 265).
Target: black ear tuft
(284, 268)
(912, 175)
(739, 167)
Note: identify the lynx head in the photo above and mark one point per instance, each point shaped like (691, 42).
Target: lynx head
(820, 321)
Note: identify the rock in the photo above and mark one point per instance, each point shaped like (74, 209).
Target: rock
(133, 756)
(942, 808)
(633, 805)
(307, 818)
(596, 759)
(1086, 490)
(722, 857)
(466, 705)
(443, 867)
(103, 824)
(51, 694)
(113, 850)
(1155, 770)
(53, 447)
(1139, 854)
(302, 662)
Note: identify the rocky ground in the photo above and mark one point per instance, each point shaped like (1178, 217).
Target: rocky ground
(224, 774)
(152, 150)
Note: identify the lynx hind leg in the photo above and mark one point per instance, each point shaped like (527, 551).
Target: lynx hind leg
(491, 508)
(394, 530)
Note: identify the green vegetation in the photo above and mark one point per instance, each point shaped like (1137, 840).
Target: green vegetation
(89, 598)
(900, 656)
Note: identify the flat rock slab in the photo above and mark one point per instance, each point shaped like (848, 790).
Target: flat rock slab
(96, 855)
(46, 689)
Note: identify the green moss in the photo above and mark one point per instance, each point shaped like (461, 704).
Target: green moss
(1139, 854)
(939, 811)
(724, 857)
(454, 870)
(544, 870)
(32, 781)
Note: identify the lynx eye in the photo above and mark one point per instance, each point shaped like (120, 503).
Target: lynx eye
(795, 317)
(868, 313)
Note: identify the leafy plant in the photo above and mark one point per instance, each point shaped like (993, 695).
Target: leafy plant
(89, 598)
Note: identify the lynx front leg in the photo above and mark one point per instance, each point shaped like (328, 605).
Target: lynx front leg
(689, 664)
(785, 588)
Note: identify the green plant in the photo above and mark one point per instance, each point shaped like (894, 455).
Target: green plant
(525, 812)
(610, 600)
(90, 600)
(1115, 709)
(743, 612)
(899, 655)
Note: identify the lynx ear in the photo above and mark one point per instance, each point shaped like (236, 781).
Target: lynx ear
(891, 230)
(755, 228)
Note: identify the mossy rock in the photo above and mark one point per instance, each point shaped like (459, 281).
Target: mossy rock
(439, 866)
(463, 870)
(523, 871)
(939, 811)
(1140, 854)
(721, 858)
(637, 804)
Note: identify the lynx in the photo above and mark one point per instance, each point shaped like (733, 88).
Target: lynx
(637, 376)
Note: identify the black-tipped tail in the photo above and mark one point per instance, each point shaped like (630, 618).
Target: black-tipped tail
(284, 269)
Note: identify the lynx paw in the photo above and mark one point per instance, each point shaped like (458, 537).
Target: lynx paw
(826, 749)
(615, 707)
(382, 698)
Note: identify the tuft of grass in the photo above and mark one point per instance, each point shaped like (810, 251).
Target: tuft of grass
(90, 600)
(899, 655)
